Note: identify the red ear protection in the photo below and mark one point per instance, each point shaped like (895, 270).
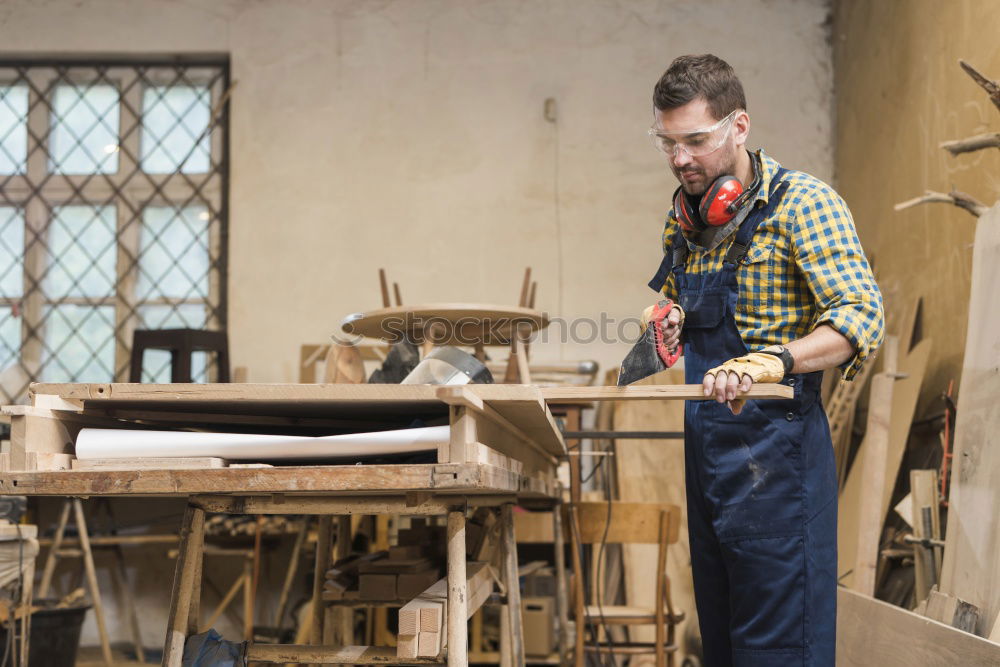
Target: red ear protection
(717, 206)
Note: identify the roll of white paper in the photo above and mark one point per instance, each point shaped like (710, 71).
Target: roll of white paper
(99, 443)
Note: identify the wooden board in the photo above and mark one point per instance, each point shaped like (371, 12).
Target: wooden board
(348, 480)
(971, 567)
(904, 401)
(460, 323)
(872, 632)
(653, 471)
(640, 392)
(151, 463)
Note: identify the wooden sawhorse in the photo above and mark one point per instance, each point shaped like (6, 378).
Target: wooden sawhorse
(184, 602)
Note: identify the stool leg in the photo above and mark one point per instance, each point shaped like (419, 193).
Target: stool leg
(513, 608)
(458, 597)
(189, 558)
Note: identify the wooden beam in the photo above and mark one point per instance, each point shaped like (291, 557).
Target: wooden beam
(331, 655)
(872, 632)
(686, 392)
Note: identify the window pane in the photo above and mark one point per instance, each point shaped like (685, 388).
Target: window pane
(173, 119)
(11, 252)
(13, 129)
(10, 338)
(173, 253)
(84, 130)
(181, 316)
(79, 343)
(81, 247)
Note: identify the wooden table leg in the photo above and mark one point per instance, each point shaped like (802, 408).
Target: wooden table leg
(343, 617)
(458, 599)
(189, 557)
(511, 581)
(323, 539)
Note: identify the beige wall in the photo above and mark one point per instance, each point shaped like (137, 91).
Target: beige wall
(410, 135)
(899, 93)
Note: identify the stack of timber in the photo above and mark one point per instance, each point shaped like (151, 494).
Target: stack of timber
(502, 441)
(423, 621)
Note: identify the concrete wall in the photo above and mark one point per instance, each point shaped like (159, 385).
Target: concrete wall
(899, 93)
(411, 136)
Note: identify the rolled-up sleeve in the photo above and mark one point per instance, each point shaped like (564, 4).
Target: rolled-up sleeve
(829, 255)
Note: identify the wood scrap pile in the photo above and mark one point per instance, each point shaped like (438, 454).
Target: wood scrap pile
(951, 584)
(240, 524)
(401, 572)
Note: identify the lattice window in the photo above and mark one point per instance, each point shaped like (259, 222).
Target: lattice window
(113, 202)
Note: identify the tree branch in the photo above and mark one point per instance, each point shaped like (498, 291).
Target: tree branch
(969, 144)
(959, 199)
(991, 87)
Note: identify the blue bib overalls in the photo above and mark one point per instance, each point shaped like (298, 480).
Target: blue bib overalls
(761, 489)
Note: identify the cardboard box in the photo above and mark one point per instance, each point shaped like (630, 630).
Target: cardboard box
(538, 614)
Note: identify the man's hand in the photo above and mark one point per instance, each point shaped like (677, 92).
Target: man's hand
(672, 325)
(737, 375)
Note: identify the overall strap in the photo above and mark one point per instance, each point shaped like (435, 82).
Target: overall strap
(741, 244)
(674, 256)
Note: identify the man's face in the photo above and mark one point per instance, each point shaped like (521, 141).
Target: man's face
(696, 173)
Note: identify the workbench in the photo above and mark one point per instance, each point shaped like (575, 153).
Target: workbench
(502, 450)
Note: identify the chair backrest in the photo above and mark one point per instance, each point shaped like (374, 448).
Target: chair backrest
(631, 523)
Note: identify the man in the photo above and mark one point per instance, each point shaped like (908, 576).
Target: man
(772, 286)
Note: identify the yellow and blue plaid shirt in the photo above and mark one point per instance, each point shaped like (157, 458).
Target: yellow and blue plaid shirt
(805, 267)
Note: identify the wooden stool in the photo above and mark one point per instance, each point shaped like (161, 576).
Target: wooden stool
(181, 343)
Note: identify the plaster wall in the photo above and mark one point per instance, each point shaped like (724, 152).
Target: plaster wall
(899, 94)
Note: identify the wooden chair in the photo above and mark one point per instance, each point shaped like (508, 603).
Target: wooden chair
(630, 523)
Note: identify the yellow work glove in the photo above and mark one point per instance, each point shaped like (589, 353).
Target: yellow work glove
(739, 374)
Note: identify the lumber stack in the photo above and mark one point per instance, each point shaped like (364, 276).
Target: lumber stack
(423, 621)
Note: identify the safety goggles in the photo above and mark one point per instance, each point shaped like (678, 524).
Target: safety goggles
(695, 143)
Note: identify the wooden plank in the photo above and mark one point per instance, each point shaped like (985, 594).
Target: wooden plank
(384, 480)
(521, 407)
(971, 568)
(904, 401)
(926, 522)
(330, 655)
(687, 392)
(428, 612)
(872, 632)
(151, 463)
(952, 611)
(876, 453)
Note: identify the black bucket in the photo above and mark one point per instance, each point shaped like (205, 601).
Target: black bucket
(55, 636)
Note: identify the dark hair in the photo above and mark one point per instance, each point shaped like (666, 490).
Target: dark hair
(704, 76)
